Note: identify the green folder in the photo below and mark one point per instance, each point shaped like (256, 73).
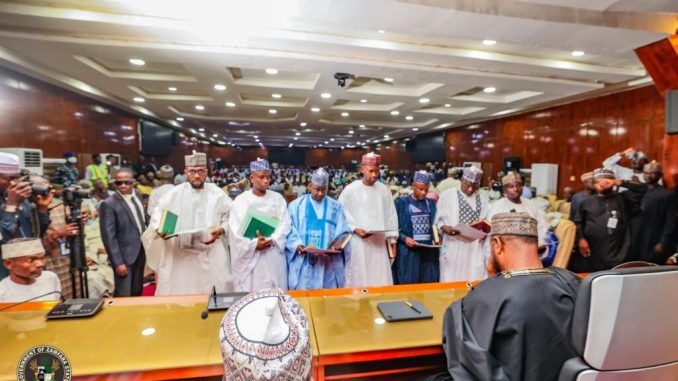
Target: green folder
(168, 223)
(255, 221)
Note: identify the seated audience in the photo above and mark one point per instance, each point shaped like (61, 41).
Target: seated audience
(25, 260)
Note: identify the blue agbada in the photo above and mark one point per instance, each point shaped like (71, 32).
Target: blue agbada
(418, 264)
(318, 224)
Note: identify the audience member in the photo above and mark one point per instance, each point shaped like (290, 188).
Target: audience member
(25, 260)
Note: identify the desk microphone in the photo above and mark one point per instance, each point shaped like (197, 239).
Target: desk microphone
(213, 296)
(61, 299)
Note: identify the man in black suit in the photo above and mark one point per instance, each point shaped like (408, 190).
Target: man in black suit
(123, 220)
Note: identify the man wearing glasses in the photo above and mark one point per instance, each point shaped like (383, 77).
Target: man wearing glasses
(194, 261)
(123, 220)
(15, 209)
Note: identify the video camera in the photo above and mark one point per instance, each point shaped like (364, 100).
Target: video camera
(36, 189)
(75, 194)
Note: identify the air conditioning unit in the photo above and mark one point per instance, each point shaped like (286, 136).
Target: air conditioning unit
(544, 178)
(29, 158)
(476, 164)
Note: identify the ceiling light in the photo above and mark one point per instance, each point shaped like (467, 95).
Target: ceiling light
(256, 137)
(381, 31)
(344, 114)
(489, 42)
(303, 124)
(291, 144)
(326, 142)
(424, 100)
(201, 129)
(386, 136)
(448, 105)
(137, 61)
(256, 140)
(199, 107)
(362, 126)
(577, 53)
(395, 112)
(172, 88)
(180, 119)
(351, 131)
(415, 129)
(219, 87)
(271, 71)
(295, 138)
(272, 111)
(331, 139)
(315, 109)
(326, 95)
(139, 99)
(215, 135)
(298, 133)
(387, 79)
(489, 89)
(363, 101)
(409, 117)
(230, 104)
(276, 96)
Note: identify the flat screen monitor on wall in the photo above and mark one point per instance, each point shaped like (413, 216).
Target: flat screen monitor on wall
(425, 148)
(156, 140)
(287, 156)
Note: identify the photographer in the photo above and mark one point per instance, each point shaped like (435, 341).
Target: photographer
(15, 209)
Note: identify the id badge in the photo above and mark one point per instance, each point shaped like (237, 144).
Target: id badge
(612, 223)
(64, 249)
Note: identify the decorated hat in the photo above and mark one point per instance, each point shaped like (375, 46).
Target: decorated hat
(422, 177)
(510, 178)
(197, 159)
(259, 165)
(166, 172)
(22, 247)
(586, 176)
(265, 336)
(320, 177)
(603, 173)
(512, 223)
(653, 167)
(472, 174)
(9, 164)
(370, 159)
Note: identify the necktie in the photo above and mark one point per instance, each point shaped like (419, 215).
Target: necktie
(140, 215)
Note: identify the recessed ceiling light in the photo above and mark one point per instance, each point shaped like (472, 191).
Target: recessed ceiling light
(215, 135)
(326, 95)
(381, 31)
(363, 101)
(297, 133)
(271, 71)
(386, 136)
(331, 139)
(409, 117)
(415, 129)
(201, 129)
(139, 99)
(199, 107)
(344, 114)
(448, 105)
(303, 124)
(256, 140)
(362, 126)
(276, 96)
(315, 109)
(326, 142)
(230, 104)
(256, 136)
(351, 131)
(489, 42)
(577, 53)
(395, 112)
(172, 88)
(219, 87)
(295, 138)
(424, 100)
(180, 119)
(489, 89)
(388, 79)
(272, 111)
(137, 61)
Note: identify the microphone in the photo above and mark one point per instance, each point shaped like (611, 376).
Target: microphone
(204, 314)
(212, 296)
(61, 299)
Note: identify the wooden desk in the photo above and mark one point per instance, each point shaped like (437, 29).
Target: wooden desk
(345, 338)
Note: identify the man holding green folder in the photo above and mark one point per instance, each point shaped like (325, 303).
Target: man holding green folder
(258, 225)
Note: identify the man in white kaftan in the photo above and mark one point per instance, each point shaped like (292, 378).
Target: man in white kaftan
(369, 207)
(462, 259)
(259, 263)
(195, 261)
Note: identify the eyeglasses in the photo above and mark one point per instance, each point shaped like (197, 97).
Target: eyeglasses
(192, 172)
(123, 182)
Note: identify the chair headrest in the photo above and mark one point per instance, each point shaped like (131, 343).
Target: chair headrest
(625, 318)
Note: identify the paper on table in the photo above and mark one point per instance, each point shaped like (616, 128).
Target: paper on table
(468, 232)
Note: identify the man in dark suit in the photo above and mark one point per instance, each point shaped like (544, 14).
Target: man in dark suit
(123, 220)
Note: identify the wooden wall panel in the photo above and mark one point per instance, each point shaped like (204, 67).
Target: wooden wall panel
(577, 136)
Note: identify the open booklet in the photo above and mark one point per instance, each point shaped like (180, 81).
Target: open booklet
(189, 231)
(317, 251)
(474, 231)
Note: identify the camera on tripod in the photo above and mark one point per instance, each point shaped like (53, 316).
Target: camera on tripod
(36, 189)
(73, 196)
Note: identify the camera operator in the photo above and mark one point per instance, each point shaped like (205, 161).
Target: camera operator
(15, 209)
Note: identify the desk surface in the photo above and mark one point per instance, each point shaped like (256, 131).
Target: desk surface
(342, 322)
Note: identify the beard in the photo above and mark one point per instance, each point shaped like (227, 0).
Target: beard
(198, 186)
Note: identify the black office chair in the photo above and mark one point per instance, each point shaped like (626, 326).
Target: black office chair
(625, 326)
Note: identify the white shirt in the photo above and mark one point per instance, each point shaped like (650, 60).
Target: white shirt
(138, 219)
(11, 292)
(156, 195)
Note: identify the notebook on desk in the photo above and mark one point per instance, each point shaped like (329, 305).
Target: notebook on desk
(404, 310)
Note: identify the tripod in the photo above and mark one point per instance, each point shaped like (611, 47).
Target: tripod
(77, 245)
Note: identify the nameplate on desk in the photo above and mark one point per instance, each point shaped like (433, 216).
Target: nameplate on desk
(404, 310)
(75, 308)
(223, 301)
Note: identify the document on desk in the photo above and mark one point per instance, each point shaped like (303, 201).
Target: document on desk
(404, 310)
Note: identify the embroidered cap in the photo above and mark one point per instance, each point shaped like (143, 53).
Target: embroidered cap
(259, 165)
(265, 336)
(198, 159)
(9, 164)
(472, 174)
(422, 177)
(166, 172)
(22, 247)
(320, 177)
(586, 176)
(602, 173)
(370, 159)
(511, 178)
(512, 223)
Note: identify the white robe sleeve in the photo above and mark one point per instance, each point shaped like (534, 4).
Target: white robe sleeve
(284, 226)
(345, 201)
(391, 217)
(443, 207)
(242, 249)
